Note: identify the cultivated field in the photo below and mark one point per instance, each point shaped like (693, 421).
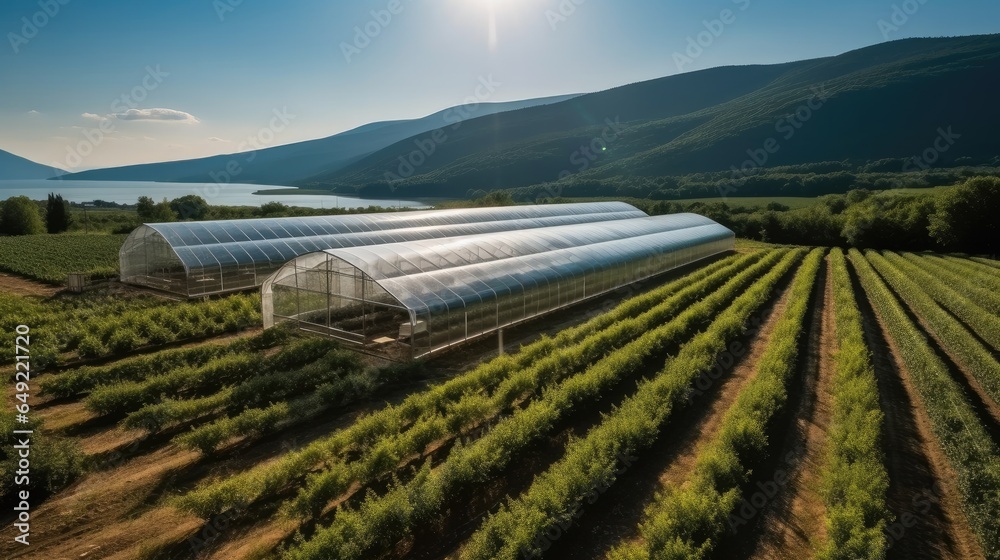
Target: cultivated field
(774, 403)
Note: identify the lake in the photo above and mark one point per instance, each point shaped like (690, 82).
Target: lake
(232, 194)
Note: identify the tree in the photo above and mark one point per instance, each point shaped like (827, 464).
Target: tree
(965, 218)
(190, 207)
(57, 217)
(153, 212)
(20, 216)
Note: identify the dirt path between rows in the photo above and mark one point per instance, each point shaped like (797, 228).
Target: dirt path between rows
(19, 286)
(618, 512)
(794, 524)
(929, 522)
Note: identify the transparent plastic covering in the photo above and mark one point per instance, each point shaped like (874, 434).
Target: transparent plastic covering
(202, 258)
(412, 299)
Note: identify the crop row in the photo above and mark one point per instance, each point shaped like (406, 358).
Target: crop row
(337, 385)
(381, 521)
(591, 462)
(267, 387)
(122, 333)
(972, 454)
(511, 375)
(50, 257)
(854, 479)
(987, 262)
(964, 284)
(986, 276)
(688, 521)
(954, 337)
(86, 378)
(127, 396)
(983, 322)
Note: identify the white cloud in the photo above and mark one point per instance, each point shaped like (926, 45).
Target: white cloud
(33, 112)
(93, 116)
(157, 114)
(217, 139)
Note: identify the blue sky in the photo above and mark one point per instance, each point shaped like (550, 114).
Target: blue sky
(218, 71)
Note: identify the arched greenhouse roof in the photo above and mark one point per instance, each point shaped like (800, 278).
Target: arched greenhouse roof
(196, 258)
(439, 293)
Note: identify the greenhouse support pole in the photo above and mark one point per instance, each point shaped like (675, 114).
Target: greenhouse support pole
(500, 340)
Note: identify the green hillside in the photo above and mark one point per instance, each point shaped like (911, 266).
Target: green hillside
(884, 103)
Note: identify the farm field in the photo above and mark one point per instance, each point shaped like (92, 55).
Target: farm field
(777, 402)
(49, 258)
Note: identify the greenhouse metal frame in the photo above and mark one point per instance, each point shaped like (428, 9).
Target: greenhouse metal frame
(414, 299)
(195, 259)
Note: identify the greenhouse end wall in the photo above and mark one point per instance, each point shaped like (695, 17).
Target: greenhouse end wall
(412, 300)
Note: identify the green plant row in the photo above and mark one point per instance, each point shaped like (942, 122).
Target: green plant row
(49, 258)
(854, 479)
(987, 262)
(688, 521)
(550, 353)
(984, 323)
(985, 275)
(128, 396)
(381, 521)
(954, 337)
(122, 333)
(254, 392)
(964, 284)
(973, 456)
(59, 323)
(84, 379)
(343, 387)
(591, 462)
(384, 455)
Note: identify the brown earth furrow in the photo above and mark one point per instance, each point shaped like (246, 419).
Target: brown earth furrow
(793, 524)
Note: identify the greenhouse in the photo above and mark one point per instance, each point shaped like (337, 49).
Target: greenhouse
(416, 298)
(203, 258)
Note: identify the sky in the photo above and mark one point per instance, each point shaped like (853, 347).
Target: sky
(95, 83)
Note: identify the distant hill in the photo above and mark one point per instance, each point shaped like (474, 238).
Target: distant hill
(17, 167)
(284, 165)
(885, 101)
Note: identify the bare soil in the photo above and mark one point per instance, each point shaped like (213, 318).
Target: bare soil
(20, 286)
(794, 520)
